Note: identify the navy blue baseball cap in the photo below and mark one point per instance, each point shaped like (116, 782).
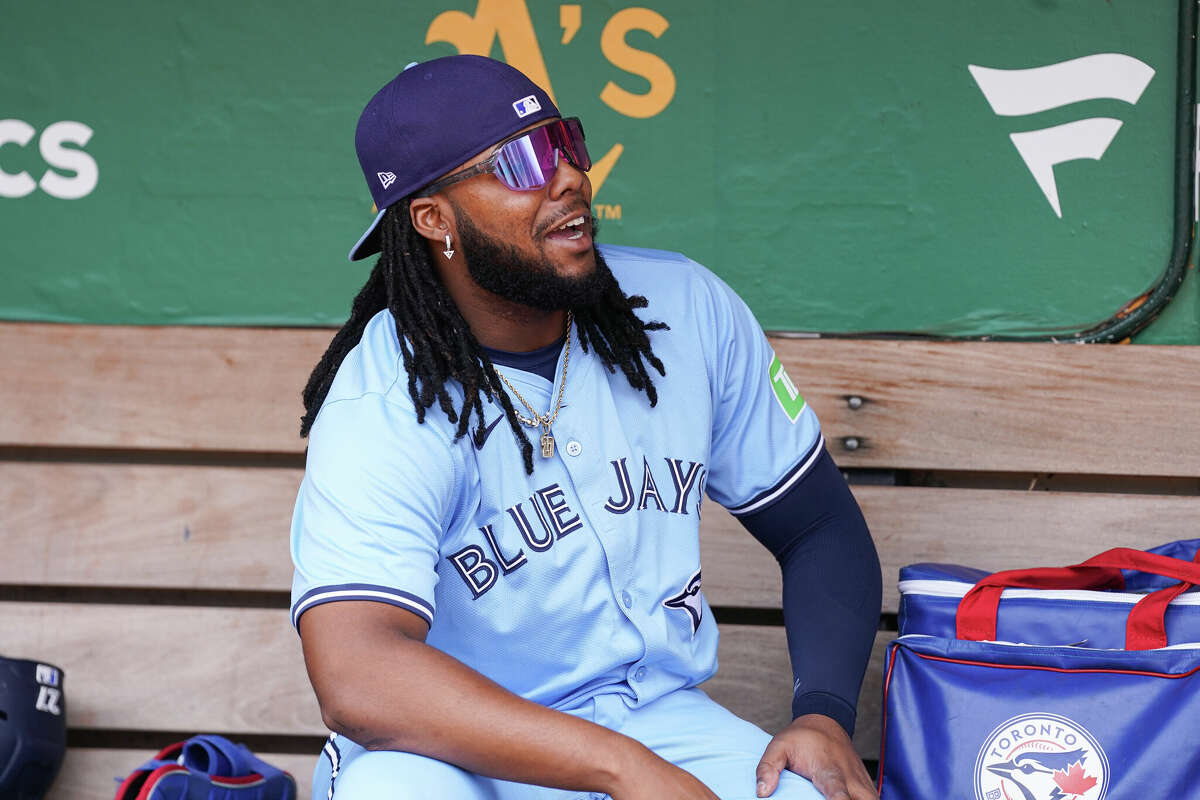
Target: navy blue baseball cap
(434, 116)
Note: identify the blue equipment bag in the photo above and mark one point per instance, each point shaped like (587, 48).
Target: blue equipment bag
(1072, 692)
(206, 767)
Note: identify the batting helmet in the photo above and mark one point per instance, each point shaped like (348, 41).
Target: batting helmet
(33, 727)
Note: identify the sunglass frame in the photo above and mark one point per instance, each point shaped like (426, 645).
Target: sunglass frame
(489, 165)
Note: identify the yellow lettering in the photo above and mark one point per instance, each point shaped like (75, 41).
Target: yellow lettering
(608, 212)
(570, 17)
(600, 169)
(507, 20)
(638, 62)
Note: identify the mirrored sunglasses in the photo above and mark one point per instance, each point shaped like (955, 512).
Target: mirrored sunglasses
(528, 160)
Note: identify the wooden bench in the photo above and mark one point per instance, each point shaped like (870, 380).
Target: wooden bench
(147, 477)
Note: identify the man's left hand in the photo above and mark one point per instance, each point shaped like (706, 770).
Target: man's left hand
(816, 747)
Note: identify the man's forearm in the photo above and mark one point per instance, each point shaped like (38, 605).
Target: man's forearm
(831, 617)
(831, 589)
(389, 691)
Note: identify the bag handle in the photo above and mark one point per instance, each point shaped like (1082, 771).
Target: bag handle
(976, 618)
(1146, 628)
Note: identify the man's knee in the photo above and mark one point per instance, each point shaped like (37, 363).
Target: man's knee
(794, 787)
(371, 775)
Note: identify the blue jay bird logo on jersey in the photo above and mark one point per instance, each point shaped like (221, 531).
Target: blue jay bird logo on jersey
(689, 600)
(1041, 757)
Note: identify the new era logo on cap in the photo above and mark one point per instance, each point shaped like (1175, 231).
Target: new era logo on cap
(386, 178)
(526, 106)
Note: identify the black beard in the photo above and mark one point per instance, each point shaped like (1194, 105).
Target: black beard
(502, 270)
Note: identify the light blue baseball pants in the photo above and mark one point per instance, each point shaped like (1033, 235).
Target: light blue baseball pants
(686, 728)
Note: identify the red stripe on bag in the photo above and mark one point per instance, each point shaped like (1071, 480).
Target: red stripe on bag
(157, 775)
(887, 682)
(1071, 670)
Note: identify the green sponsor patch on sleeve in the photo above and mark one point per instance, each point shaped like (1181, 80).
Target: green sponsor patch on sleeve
(785, 391)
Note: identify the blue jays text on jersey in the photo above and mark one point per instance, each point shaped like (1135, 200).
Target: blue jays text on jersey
(584, 577)
(555, 519)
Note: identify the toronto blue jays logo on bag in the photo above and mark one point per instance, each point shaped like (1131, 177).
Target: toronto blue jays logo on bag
(1040, 757)
(1066, 683)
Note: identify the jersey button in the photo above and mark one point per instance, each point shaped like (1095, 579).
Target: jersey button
(574, 448)
(640, 675)
(627, 599)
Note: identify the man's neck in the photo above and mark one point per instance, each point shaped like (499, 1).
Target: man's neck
(497, 322)
(504, 325)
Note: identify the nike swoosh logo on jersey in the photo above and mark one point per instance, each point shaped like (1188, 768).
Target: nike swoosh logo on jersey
(487, 432)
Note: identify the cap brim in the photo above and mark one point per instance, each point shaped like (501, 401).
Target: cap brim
(368, 243)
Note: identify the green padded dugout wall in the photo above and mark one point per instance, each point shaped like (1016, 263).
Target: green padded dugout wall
(847, 165)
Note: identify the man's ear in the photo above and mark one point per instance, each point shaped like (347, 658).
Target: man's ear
(432, 218)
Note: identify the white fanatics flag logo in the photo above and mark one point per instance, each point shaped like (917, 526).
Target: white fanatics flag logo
(1023, 92)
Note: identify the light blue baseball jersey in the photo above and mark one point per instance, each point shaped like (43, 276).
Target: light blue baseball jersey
(584, 577)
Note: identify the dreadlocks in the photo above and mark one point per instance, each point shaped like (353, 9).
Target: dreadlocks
(437, 345)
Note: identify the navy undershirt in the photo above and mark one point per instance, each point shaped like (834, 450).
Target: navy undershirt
(831, 579)
(543, 361)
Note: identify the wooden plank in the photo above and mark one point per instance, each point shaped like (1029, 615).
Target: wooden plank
(170, 668)
(988, 529)
(235, 389)
(754, 676)
(177, 527)
(94, 773)
(227, 528)
(199, 669)
(754, 681)
(928, 405)
(1003, 406)
(738, 571)
(868, 732)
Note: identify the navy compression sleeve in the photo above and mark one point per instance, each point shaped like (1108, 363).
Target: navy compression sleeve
(831, 588)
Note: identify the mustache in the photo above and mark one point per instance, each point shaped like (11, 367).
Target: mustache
(585, 210)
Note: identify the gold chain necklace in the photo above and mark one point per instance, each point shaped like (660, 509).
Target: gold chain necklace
(547, 419)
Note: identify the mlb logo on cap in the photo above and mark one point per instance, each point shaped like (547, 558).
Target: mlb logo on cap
(526, 106)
